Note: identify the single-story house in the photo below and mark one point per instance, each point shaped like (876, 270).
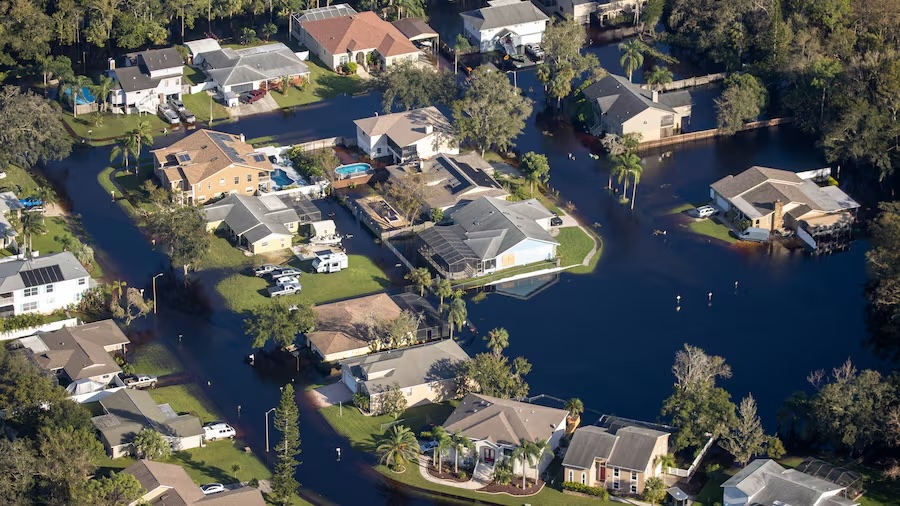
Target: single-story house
(261, 224)
(147, 79)
(251, 68)
(129, 411)
(604, 10)
(488, 235)
(497, 427)
(9, 205)
(619, 459)
(341, 326)
(208, 164)
(505, 24)
(338, 34)
(419, 33)
(621, 107)
(418, 134)
(79, 354)
(198, 47)
(425, 373)
(41, 284)
(782, 201)
(452, 181)
(170, 485)
(764, 481)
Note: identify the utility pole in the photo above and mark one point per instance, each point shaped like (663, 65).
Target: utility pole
(154, 291)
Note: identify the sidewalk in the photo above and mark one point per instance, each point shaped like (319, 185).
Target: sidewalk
(469, 485)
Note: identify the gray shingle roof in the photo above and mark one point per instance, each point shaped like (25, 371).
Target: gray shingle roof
(157, 59)
(623, 100)
(731, 186)
(11, 271)
(79, 351)
(493, 226)
(254, 218)
(501, 16)
(262, 63)
(629, 447)
(132, 79)
(634, 448)
(129, 411)
(502, 420)
(453, 179)
(416, 365)
(589, 443)
(766, 482)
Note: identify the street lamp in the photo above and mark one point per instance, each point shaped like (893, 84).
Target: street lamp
(515, 81)
(267, 432)
(154, 291)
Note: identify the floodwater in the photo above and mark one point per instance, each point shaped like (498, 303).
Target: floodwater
(608, 338)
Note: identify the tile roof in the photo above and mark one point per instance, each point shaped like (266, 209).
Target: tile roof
(254, 218)
(340, 325)
(504, 15)
(14, 273)
(407, 367)
(210, 152)
(359, 32)
(408, 127)
(623, 100)
(80, 351)
(502, 420)
(231, 67)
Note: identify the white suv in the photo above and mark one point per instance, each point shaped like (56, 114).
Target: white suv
(705, 211)
(218, 430)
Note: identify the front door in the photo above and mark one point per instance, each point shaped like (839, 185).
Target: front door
(488, 455)
(601, 471)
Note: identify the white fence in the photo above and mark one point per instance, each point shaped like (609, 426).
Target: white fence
(197, 88)
(47, 327)
(687, 473)
(94, 396)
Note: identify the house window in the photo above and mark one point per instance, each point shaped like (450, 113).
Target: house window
(82, 281)
(615, 472)
(29, 306)
(49, 288)
(249, 178)
(209, 185)
(571, 475)
(31, 292)
(633, 475)
(615, 484)
(264, 244)
(583, 479)
(757, 222)
(237, 180)
(634, 488)
(222, 181)
(201, 199)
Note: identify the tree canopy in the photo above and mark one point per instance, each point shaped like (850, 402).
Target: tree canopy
(277, 322)
(32, 132)
(406, 86)
(743, 100)
(286, 421)
(492, 112)
(563, 60)
(183, 230)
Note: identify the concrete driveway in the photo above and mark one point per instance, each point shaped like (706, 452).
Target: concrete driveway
(265, 104)
(332, 394)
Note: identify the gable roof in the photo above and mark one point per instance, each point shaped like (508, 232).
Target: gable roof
(340, 325)
(362, 31)
(158, 59)
(408, 127)
(494, 226)
(202, 46)
(230, 67)
(79, 351)
(407, 367)
(42, 270)
(181, 490)
(588, 443)
(414, 28)
(453, 179)
(623, 100)
(503, 420)
(500, 16)
(129, 411)
(253, 218)
(629, 447)
(133, 79)
(209, 152)
(763, 481)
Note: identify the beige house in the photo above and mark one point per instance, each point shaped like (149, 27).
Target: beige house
(261, 224)
(208, 164)
(621, 107)
(406, 136)
(337, 34)
(424, 373)
(170, 485)
(618, 458)
(581, 10)
(340, 333)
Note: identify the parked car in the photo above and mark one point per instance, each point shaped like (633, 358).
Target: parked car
(285, 288)
(176, 104)
(754, 234)
(252, 96)
(262, 270)
(705, 211)
(428, 446)
(218, 430)
(556, 221)
(212, 488)
(31, 202)
(285, 271)
(168, 115)
(535, 51)
(139, 381)
(187, 116)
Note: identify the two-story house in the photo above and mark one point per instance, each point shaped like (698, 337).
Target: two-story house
(41, 284)
(148, 79)
(621, 107)
(506, 25)
(604, 10)
(208, 164)
(418, 134)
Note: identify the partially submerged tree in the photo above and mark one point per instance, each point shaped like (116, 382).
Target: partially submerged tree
(421, 278)
(286, 421)
(277, 322)
(183, 231)
(497, 340)
(406, 86)
(743, 100)
(563, 58)
(492, 112)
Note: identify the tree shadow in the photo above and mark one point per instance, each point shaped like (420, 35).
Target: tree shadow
(217, 474)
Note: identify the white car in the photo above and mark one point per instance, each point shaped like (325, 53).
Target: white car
(218, 430)
(705, 211)
(212, 488)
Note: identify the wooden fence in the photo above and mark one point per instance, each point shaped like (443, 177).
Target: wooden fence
(326, 143)
(708, 134)
(691, 82)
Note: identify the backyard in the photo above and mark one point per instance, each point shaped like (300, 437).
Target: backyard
(155, 359)
(574, 246)
(186, 398)
(111, 127)
(199, 104)
(324, 84)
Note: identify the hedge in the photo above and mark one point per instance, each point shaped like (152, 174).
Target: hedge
(574, 486)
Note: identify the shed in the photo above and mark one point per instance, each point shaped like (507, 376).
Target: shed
(197, 47)
(679, 498)
(324, 228)
(231, 99)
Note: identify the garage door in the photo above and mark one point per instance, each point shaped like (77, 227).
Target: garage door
(242, 88)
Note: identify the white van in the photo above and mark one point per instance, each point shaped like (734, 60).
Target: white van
(218, 430)
(705, 211)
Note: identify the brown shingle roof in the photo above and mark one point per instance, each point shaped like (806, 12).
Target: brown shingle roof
(80, 351)
(210, 153)
(340, 325)
(358, 32)
(153, 475)
(502, 420)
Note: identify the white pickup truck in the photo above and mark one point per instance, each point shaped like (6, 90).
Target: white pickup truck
(139, 381)
(288, 285)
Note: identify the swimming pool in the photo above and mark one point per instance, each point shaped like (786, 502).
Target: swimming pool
(85, 97)
(352, 170)
(280, 178)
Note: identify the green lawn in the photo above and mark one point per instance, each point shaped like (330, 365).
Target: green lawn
(113, 126)
(505, 273)
(59, 237)
(17, 176)
(186, 398)
(711, 493)
(574, 246)
(222, 255)
(155, 359)
(323, 84)
(199, 104)
(243, 292)
(193, 76)
(362, 430)
(711, 228)
(103, 179)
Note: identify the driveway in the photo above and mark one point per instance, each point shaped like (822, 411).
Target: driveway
(332, 394)
(265, 104)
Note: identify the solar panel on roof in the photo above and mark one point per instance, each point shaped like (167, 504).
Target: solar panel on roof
(224, 142)
(258, 157)
(42, 276)
(183, 157)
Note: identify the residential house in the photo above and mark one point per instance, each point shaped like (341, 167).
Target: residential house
(42, 284)
(451, 181)
(489, 235)
(425, 373)
(208, 164)
(338, 34)
(497, 427)
(197, 47)
(149, 78)
(261, 224)
(505, 24)
(170, 485)
(763, 481)
(129, 411)
(620, 459)
(406, 136)
(604, 10)
(342, 327)
(81, 354)
(621, 107)
(782, 201)
(252, 68)
(419, 33)
(9, 206)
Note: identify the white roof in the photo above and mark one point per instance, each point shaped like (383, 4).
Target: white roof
(203, 45)
(324, 227)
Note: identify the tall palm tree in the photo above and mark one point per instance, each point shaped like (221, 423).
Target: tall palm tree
(635, 172)
(536, 452)
(658, 76)
(125, 148)
(397, 447)
(412, 8)
(460, 444)
(421, 278)
(457, 314)
(625, 164)
(632, 56)
(497, 340)
(32, 223)
(522, 452)
(442, 438)
(141, 135)
(443, 289)
(119, 286)
(101, 91)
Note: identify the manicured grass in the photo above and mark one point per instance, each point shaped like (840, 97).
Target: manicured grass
(243, 292)
(505, 273)
(57, 237)
(711, 228)
(103, 179)
(113, 127)
(574, 245)
(199, 103)
(156, 360)
(17, 176)
(363, 430)
(212, 463)
(711, 493)
(323, 84)
(222, 255)
(193, 76)
(186, 398)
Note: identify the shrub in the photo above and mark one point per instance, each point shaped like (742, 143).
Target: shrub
(350, 67)
(573, 486)
(21, 321)
(713, 468)
(361, 401)
(463, 475)
(254, 482)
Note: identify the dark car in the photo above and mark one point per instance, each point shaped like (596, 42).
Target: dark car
(256, 95)
(555, 221)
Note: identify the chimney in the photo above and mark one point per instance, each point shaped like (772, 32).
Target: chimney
(242, 137)
(778, 217)
(112, 63)
(429, 129)
(654, 95)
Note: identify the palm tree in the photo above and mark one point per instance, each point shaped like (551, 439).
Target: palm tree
(285, 84)
(658, 76)
(537, 450)
(32, 223)
(442, 438)
(124, 149)
(666, 461)
(497, 340)
(457, 314)
(626, 163)
(421, 278)
(632, 56)
(460, 444)
(575, 408)
(75, 86)
(522, 452)
(101, 91)
(636, 172)
(47, 196)
(118, 286)
(143, 134)
(502, 472)
(412, 8)
(397, 447)
(443, 289)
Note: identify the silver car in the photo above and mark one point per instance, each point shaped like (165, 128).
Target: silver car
(168, 115)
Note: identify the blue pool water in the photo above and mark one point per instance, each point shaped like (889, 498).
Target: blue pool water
(352, 169)
(85, 97)
(281, 179)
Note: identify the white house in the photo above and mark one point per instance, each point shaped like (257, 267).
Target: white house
(505, 24)
(581, 10)
(411, 135)
(241, 70)
(497, 426)
(148, 79)
(42, 284)
(621, 107)
(198, 47)
(489, 235)
(763, 481)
